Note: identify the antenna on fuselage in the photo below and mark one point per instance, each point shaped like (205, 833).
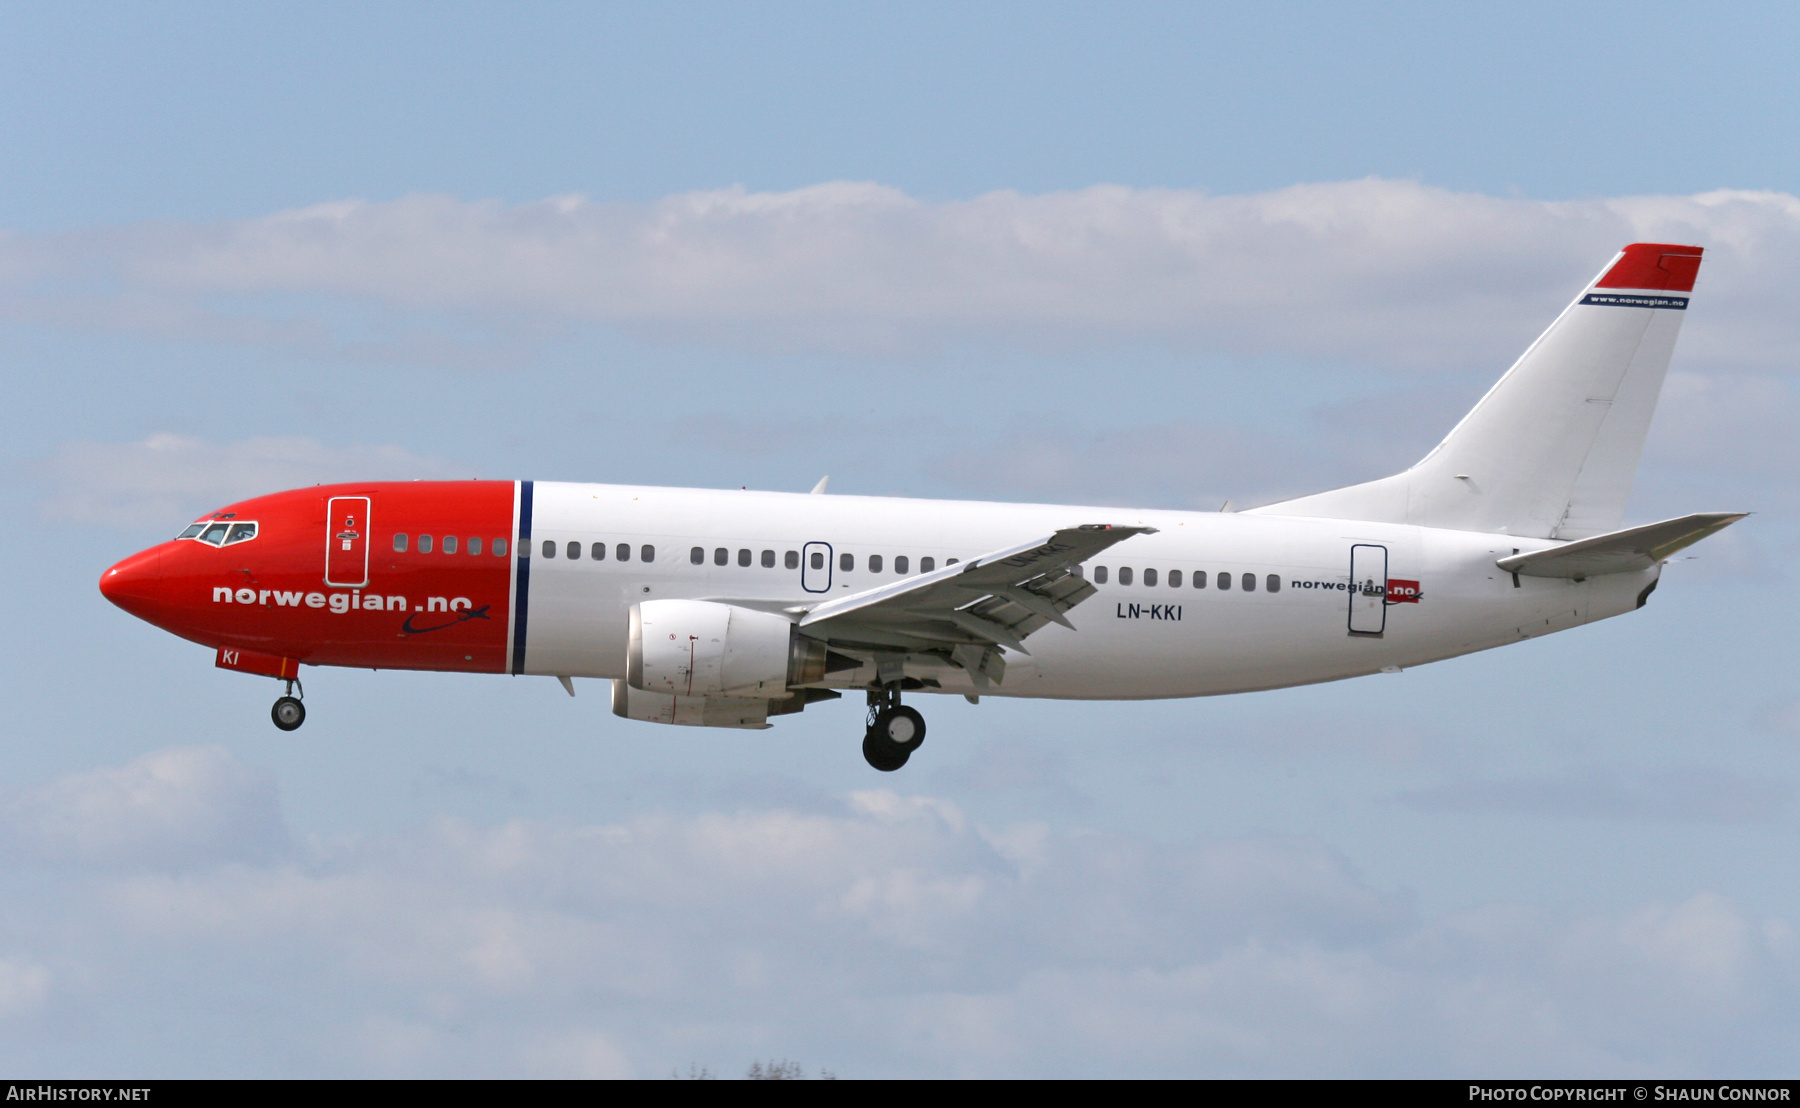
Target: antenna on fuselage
(819, 489)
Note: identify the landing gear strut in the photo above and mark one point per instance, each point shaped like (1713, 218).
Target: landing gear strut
(288, 713)
(894, 730)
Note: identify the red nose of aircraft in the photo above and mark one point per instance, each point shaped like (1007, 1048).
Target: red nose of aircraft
(136, 584)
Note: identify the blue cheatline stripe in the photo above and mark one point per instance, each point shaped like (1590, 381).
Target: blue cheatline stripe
(1635, 300)
(522, 548)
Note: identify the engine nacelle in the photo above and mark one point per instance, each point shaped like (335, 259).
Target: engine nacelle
(696, 648)
(690, 711)
(751, 712)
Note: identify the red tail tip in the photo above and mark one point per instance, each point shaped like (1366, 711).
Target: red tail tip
(1654, 265)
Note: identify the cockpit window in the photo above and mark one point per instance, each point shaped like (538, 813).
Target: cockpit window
(219, 532)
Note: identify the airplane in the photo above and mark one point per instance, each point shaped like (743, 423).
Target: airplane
(718, 608)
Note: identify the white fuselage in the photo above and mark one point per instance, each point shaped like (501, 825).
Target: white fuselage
(1132, 641)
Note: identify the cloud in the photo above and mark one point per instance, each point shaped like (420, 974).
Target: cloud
(168, 479)
(587, 1055)
(23, 986)
(1688, 794)
(1393, 275)
(1724, 435)
(1382, 272)
(169, 809)
(888, 935)
(1199, 465)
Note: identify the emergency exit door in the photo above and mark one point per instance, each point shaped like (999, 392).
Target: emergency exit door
(815, 567)
(1368, 589)
(347, 541)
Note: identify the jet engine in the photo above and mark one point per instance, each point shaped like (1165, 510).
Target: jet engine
(696, 648)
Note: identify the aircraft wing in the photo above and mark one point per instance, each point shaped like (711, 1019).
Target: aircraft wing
(1620, 551)
(965, 611)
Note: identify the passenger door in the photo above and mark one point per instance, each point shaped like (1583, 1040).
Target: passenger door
(1368, 589)
(347, 541)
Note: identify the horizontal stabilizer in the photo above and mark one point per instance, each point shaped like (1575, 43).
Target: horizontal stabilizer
(1620, 551)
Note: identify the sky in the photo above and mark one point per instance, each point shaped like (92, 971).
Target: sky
(1120, 254)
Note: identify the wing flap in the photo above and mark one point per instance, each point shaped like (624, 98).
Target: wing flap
(1626, 551)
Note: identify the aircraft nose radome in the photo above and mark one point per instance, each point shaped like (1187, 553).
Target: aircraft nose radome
(135, 584)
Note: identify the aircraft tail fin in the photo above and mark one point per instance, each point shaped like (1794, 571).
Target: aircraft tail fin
(1552, 450)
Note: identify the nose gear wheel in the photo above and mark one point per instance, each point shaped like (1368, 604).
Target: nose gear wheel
(288, 713)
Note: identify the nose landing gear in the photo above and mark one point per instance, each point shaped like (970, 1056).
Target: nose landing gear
(288, 713)
(894, 730)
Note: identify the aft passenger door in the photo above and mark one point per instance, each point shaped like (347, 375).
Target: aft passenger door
(1368, 589)
(815, 567)
(347, 541)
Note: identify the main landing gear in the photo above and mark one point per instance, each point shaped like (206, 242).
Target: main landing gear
(894, 731)
(288, 713)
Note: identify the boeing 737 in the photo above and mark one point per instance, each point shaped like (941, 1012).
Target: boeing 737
(728, 608)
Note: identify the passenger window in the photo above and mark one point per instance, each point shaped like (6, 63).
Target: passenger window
(1174, 579)
(646, 553)
(926, 565)
(195, 528)
(1272, 583)
(424, 544)
(1249, 582)
(499, 548)
(875, 563)
(1124, 575)
(573, 550)
(400, 542)
(902, 564)
(474, 545)
(597, 551)
(791, 559)
(846, 562)
(818, 559)
(743, 556)
(449, 544)
(697, 555)
(622, 552)
(215, 534)
(1149, 577)
(1074, 571)
(549, 548)
(1099, 575)
(1225, 581)
(951, 561)
(1199, 579)
(721, 556)
(768, 559)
